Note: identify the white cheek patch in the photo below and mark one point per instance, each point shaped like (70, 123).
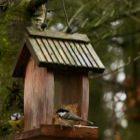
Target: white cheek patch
(13, 118)
(19, 116)
(62, 113)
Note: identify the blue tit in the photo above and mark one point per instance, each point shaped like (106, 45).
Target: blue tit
(16, 121)
(69, 118)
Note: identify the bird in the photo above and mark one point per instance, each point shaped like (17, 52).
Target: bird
(16, 121)
(15, 116)
(68, 118)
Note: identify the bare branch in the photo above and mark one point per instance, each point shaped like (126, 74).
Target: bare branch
(76, 14)
(122, 15)
(116, 70)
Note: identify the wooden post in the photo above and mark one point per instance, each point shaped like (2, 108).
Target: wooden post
(84, 97)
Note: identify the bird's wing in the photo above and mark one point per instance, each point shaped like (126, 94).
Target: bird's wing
(13, 124)
(71, 116)
(17, 124)
(20, 122)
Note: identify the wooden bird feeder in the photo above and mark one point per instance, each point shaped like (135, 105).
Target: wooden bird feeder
(55, 69)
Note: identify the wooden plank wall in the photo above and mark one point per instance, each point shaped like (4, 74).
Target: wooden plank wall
(72, 88)
(38, 96)
(84, 105)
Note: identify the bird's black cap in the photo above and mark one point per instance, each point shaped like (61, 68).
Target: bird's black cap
(62, 110)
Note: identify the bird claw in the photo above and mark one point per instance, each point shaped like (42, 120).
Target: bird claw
(73, 128)
(61, 126)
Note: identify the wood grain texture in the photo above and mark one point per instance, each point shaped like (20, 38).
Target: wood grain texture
(95, 56)
(84, 97)
(21, 62)
(53, 132)
(38, 96)
(58, 35)
(57, 53)
(35, 49)
(71, 88)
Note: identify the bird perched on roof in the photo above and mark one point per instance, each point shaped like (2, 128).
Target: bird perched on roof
(68, 118)
(16, 121)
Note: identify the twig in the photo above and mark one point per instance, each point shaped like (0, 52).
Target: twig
(110, 72)
(65, 13)
(75, 15)
(122, 15)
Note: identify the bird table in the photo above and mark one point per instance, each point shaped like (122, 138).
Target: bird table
(55, 67)
(53, 132)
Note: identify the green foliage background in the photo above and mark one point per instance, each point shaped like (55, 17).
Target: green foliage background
(105, 22)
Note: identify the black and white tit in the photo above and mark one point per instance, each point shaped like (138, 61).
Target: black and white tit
(16, 120)
(69, 118)
(15, 116)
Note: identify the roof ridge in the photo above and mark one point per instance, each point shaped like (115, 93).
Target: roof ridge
(57, 35)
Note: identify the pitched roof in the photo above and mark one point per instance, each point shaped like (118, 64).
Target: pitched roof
(57, 50)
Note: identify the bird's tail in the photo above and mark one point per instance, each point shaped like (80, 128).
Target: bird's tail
(88, 122)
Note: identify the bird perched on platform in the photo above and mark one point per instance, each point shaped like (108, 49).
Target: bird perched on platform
(68, 118)
(16, 121)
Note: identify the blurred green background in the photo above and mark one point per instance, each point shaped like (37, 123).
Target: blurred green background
(113, 27)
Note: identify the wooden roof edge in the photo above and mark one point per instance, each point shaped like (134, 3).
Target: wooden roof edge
(21, 55)
(19, 67)
(60, 67)
(12, 73)
(57, 35)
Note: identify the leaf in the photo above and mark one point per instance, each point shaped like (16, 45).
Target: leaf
(97, 23)
(112, 13)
